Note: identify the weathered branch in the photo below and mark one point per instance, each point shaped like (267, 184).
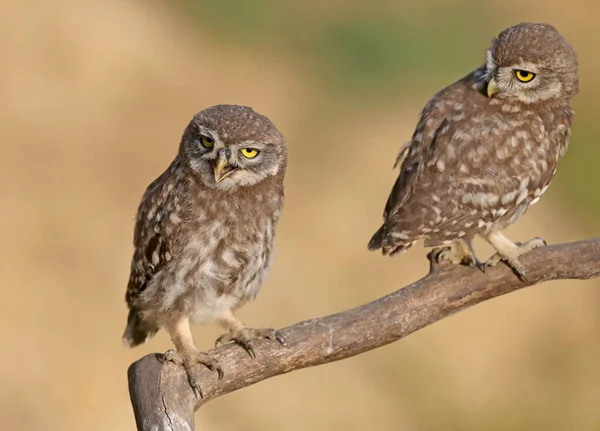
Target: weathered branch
(163, 400)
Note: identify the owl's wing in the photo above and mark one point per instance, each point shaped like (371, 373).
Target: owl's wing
(425, 139)
(561, 129)
(412, 160)
(155, 229)
(433, 127)
(410, 169)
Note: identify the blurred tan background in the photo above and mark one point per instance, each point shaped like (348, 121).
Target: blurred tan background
(95, 96)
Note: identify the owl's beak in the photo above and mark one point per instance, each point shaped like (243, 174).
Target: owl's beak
(222, 169)
(492, 87)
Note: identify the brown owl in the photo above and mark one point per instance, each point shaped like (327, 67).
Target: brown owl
(485, 148)
(204, 234)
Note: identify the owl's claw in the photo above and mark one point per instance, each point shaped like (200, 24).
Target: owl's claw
(512, 262)
(511, 256)
(195, 384)
(280, 339)
(191, 362)
(473, 262)
(245, 338)
(457, 253)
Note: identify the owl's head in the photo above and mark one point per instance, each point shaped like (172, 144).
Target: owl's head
(531, 63)
(230, 146)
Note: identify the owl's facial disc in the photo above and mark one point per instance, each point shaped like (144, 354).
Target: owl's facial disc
(531, 63)
(520, 81)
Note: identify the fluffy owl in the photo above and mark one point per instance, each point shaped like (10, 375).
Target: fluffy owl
(204, 234)
(484, 150)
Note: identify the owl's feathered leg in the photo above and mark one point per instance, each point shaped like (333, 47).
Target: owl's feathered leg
(509, 252)
(236, 331)
(460, 252)
(187, 354)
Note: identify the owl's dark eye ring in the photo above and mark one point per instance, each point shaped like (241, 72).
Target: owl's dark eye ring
(524, 75)
(207, 141)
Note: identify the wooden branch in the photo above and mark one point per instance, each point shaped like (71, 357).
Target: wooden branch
(163, 400)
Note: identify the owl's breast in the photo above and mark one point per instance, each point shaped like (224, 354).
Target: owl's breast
(219, 259)
(536, 149)
(223, 265)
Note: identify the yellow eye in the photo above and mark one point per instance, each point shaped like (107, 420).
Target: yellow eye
(208, 142)
(524, 76)
(249, 153)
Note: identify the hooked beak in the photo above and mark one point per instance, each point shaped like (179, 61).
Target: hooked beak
(222, 169)
(492, 87)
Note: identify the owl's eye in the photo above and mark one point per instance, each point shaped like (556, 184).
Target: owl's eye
(524, 76)
(207, 142)
(249, 153)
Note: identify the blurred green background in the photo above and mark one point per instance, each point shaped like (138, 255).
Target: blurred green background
(96, 94)
(377, 53)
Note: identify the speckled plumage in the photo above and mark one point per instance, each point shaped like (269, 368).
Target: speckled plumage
(477, 161)
(202, 246)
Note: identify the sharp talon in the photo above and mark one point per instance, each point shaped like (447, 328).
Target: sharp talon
(250, 351)
(193, 361)
(521, 274)
(196, 388)
(280, 338)
(245, 337)
(472, 262)
(478, 265)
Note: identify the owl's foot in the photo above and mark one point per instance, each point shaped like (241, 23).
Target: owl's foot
(510, 252)
(192, 361)
(245, 336)
(458, 253)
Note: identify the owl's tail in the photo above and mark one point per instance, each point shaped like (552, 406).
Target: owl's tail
(138, 331)
(381, 241)
(375, 243)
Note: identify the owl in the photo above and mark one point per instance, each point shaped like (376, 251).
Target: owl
(484, 150)
(203, 238)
